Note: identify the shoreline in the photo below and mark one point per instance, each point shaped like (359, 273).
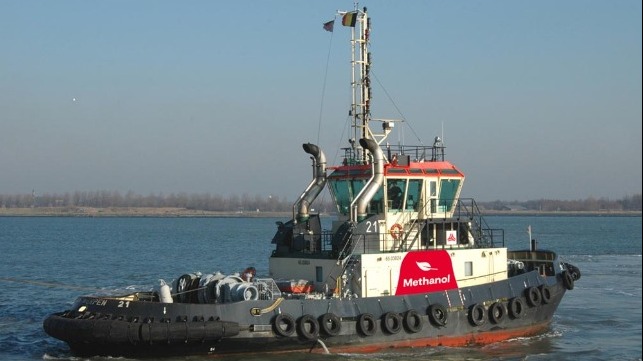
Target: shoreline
(129, 212)
(183, 212)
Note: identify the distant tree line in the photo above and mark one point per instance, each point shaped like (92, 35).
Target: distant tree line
(105, 199)
(628, 203)
(245, 202)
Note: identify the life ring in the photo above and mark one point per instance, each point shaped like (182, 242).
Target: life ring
(366, 324)
(497, 312)
(391, 323)
(438, 314)
(283, 325)
(477, 314)
(330, 324)
(412, 321)
(516, 307)
(396, 231)
(533, 296)
(308, 327)
(545, 292)
(568, 280)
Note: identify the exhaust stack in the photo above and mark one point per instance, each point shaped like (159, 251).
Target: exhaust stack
(316, 185)
(376, 181)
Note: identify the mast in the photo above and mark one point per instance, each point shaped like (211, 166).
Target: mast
(360, 111)
(362, 67)
(360, 81)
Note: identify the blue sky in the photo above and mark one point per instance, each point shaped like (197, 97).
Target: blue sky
(535, 99)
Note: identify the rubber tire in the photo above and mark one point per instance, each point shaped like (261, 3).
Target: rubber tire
(477, 314)
(310, 332)
(330, 324)
(545, 292)
(366, 324)
(391, 323)
(534, 298)
(497, 312)
(438, 315)
(412, 321)
(516, 308)
(286, 320)
(568, 280)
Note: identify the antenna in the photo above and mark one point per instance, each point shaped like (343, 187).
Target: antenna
(532, 242)
(442, 131)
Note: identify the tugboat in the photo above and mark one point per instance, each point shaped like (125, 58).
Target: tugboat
(407, 263)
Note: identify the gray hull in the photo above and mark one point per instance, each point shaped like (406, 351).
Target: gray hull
(522, 305)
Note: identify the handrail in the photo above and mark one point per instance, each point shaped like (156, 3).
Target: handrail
(465, 217)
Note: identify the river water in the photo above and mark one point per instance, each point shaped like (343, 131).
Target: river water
(48, 261)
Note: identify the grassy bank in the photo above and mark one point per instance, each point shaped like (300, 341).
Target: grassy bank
(183, 212)
(128, 212)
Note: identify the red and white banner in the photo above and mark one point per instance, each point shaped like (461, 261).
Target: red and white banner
(426, 271)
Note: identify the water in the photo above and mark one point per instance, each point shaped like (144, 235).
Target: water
(47, 262)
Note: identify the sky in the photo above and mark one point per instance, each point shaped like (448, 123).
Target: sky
(534, 99)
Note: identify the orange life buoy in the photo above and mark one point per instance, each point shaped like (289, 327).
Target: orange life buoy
(396, 231)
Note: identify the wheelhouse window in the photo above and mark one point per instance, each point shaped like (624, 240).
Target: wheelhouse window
(413, 195)
(344, 192)
(395, 191)
(377, 203)
(448, 190)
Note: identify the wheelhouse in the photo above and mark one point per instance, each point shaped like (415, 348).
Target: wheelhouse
(423, 189)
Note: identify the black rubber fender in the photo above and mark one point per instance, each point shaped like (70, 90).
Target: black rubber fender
(101, 329)
(366, 324)
(516, 308)
(308, 327)
(497, 312)
(330, 324)
(533, 296)
(119, 332)
(283, 325)
(391, 323)
(545, 292)
(573, 270)
(477, 314)
(68, 329)
(438, 314)
(412, 321)
(568, 280)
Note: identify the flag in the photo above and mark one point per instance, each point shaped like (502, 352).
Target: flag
(349, 19)
(328, 26)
